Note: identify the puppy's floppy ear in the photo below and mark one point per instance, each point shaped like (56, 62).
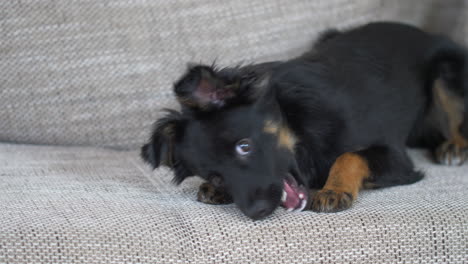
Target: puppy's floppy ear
(162, 148)
(201, 88)
(204, 88)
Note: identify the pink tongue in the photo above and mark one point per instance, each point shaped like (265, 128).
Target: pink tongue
(292, 200)
(296, 195)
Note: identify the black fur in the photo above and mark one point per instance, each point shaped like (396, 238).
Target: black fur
(366, 90)
(327, 35)
(161, 149)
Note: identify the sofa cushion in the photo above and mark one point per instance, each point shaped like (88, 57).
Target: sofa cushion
(97, 72)
(90, 205)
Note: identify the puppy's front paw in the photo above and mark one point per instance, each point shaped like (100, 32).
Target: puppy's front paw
(330, 201)
(451, 154)
(209, 194)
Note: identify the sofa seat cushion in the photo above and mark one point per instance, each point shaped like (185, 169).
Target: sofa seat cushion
(91, 205)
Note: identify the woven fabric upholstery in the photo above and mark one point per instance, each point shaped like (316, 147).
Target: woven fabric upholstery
(82, 72)
(86, 205)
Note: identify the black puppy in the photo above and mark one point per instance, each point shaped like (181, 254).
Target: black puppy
(337, 118)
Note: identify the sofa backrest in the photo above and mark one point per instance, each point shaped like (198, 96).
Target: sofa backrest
(76, 72)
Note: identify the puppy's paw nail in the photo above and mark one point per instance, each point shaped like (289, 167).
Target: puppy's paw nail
(329, 201)
(451, 154)
(209, 194)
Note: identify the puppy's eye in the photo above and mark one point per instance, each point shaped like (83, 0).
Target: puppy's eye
(243, 147)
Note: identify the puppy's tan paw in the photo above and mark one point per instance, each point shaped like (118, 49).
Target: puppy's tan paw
(209, 194)
(451, 154)
(330, 201)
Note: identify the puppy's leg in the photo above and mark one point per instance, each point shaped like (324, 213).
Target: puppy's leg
(377, 166)
(449, 109)
(210, 194)
(344, 181)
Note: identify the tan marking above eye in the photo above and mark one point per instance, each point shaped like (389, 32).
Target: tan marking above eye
(284, 135)
(271, 127)
(286, 138)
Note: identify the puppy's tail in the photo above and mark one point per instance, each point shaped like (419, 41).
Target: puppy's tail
(449, 64)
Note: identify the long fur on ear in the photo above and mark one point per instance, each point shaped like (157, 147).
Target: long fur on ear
(207, 88)
(201, 88)
(162, 149)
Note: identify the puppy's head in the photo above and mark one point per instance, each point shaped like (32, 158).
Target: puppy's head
(231, 131)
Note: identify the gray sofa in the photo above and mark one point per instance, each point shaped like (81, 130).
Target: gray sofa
(81, 83)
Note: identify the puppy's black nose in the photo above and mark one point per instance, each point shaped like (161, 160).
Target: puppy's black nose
(260, 209)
